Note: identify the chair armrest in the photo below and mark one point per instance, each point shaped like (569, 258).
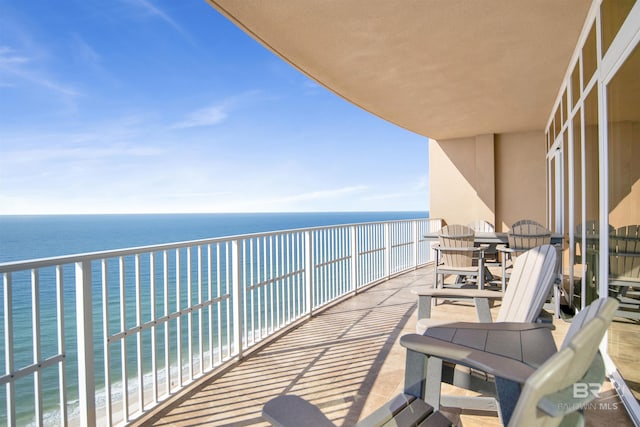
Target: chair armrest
(293, 411)
(499, 366)
(497, 326)
(480, 298)
(459, 249)
(458, 293)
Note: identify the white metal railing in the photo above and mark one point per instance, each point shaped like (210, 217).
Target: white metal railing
(142, 323)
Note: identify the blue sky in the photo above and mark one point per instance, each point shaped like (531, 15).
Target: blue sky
(148, 106)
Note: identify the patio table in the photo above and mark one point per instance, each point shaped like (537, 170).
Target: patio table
(495, 237)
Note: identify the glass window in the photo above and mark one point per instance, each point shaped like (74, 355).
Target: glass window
(575, 84)
(623, 130)
(552, 193)
(612, 15)
(558, 123)
(563, 102)
(578, 263)
(592, 195)
(566, 259)
(565, 182)
(589, 57)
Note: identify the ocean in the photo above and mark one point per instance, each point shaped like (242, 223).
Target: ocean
(40, 236)
(33, 237)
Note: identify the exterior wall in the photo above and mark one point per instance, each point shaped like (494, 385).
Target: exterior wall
(520, 178)
(624, 188)
(461, 177)
(484, 177)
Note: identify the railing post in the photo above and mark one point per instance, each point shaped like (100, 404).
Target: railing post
(387, 249)
(308, 270)
(10, 393)
(84, 322)
(354, 258)
(237, 296)
(416, 239)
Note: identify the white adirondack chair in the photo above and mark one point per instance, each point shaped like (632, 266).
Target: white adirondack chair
(532, 395)
(530, 283)
(482, 226)
(533, 275)
(491, 252)
(624, 270)
(524, 235)
(456, 254)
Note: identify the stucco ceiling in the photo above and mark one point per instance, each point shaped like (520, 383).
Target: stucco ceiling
(441, 68)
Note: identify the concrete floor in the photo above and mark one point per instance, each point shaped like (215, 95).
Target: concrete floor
(347, 360)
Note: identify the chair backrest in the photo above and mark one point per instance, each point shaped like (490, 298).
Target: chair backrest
(549, 393)
(456, 236)
(529, 285)
(624, 253)
(482, 226)
(592, 234)
(526, 222)
(527, 235)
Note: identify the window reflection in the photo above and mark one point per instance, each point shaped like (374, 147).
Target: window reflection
(575, 84)
(623, 131)
(552, 194)
(613, 14)
(592, 196)
(579, 262)
(589, 57)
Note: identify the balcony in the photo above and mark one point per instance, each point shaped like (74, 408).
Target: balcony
(244, 319)
(347, 360)
(106, 337)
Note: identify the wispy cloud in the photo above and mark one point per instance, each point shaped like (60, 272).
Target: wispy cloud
(80, 153)
(85, 52)
(415, 189)
(208, 116)
(422, 183)
(388, 196)
(23, 67)
(125, 137)
(196, 195)
(8, 57)
(310, 87)
(155, 11)
(322, 194)
(217, 113)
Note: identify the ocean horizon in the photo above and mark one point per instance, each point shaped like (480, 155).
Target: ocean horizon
(24, 237)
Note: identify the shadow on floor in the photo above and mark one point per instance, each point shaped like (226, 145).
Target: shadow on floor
(333, 361)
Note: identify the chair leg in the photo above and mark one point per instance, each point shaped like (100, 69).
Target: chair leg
(433, 382)
(414, 373)
(488, 277)
(508, 395)
(422, 377)
(462, 377)
(504, 274)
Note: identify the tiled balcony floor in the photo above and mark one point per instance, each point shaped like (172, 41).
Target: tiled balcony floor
(347, 360)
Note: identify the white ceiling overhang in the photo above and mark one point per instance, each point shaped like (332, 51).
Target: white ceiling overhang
(441, 68)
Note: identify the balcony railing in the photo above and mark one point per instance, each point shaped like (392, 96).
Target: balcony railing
(104, 337)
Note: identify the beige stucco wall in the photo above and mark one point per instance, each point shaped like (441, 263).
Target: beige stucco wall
(624, 174)
(498, 178)
(521, 169)
(461, 177)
